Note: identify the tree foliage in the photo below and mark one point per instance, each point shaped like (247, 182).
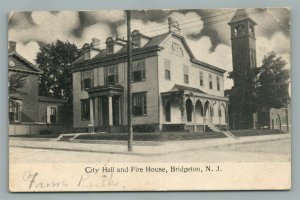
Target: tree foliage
(55, 60)
(16, 82)
(259, 89)
(272, 83)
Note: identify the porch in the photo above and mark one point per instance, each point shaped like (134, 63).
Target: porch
(105, 108)
(190, 109)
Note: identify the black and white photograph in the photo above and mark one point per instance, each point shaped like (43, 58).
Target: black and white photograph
(149, 100)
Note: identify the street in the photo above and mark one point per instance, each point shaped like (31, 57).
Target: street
(260, 151)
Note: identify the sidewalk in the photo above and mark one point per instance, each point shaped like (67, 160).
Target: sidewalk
(145, 148)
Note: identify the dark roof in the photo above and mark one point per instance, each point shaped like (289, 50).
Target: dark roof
(183, 88)
(30, 65)
(242, 14)
(51, 99)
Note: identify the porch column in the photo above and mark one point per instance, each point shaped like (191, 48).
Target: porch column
(92, 121)
(110, 111)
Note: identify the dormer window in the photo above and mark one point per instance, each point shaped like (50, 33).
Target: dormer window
(110, 45)
(110, 49)
(136, 39)
(136, 42)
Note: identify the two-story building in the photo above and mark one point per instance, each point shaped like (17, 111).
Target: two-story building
(26, 107)
(171, 89)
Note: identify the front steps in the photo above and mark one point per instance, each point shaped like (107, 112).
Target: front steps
(213, 128)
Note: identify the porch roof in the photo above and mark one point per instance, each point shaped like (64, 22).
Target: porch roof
(190, 91)
(105, 90)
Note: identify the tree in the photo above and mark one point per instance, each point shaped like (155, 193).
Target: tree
(241, 98)
(16, 82)
(257, 90)
(271, 84)
(56, 80)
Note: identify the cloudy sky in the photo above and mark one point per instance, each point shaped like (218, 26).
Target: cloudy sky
(206, 31)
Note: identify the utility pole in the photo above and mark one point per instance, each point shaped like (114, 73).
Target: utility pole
(129, 96)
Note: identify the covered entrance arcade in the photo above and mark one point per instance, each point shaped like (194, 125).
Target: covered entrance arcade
(106, 108)
(191, 109)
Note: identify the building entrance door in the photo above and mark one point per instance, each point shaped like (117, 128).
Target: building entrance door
(104, 111)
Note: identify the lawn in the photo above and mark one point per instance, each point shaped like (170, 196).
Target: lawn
(154, 136)
(256, 132)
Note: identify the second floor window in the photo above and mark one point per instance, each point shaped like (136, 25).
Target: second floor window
(85, 109)
(185, 74)
(201, 78)
(138, 71)
(111, 75)
(87, 79)
(139, 104)
(167, 69)
(210, 82)
(218, 83)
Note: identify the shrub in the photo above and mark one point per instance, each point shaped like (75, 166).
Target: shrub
(46, 132)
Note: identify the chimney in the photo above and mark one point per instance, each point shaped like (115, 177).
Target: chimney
(173, 25)
(95, 43)
(12, 46)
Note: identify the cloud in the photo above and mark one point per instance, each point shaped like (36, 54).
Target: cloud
(28, 51)
(190, 23)
(278, 43)
(48, 27)
(106, 15)
(99, 30)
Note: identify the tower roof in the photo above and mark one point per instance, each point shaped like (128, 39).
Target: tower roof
(241, 15)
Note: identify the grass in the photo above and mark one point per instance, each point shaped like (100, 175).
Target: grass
(162, 136)
(256, 132)
(154, 136)
(37, 136)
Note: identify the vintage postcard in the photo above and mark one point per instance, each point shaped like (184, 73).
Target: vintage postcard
(149, 100)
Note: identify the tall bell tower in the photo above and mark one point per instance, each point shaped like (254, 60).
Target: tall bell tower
(243, 42)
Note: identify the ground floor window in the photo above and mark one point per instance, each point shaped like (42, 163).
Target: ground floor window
(52, 115)
(15, 110)
(139, 104)
(85, 109)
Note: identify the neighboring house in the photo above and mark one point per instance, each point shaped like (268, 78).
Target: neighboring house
(171, 89)
(243, 44)
(25, 106)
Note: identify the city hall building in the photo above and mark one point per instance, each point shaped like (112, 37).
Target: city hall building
(171, 89)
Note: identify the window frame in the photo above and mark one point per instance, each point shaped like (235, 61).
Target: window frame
(210, 81)
(201, 80)
(135, 69)
(143, 101)
(115, 75)
(15, 109)
(218, 83)
(89, 78)
(85, 113)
